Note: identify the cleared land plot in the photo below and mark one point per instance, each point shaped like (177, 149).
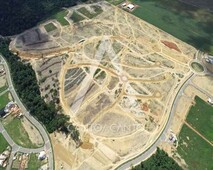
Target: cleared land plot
(3, 88)
(196, 152)
(97, 10)
(115, 2)
(60, 17)
(188, 23)
(76, 17)
(17, 132)
(3, 143)
(200, 117)
(50, 27)
(4, 99)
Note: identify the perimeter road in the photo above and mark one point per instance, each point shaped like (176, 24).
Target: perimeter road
(138, 159)
(47, 144)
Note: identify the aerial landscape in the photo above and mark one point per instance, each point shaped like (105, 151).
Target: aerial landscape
(101, 85)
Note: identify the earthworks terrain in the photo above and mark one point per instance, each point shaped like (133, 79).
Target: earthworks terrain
(116, 76)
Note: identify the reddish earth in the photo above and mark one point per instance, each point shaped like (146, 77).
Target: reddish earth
(171, 45)
(87, 145)
(145, 107)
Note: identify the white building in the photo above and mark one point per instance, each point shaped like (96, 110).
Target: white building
(210, 100)
(42, 155)
(130, 6)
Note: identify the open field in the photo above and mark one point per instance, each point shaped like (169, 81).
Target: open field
(206, 4)
(34, 163)
(192, 125)
(76, 17)
(18, 133)
(186, 22)
(3, 143)
(196, 152)
(115, 2)
(3, 82)
(60, 17)
(4, 99)
(50, 27)
(3, 88)
(200, 117)
(96, 11)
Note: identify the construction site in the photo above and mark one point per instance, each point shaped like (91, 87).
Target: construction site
(115, 75)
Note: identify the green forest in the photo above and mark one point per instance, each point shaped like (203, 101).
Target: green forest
(159, 161)
(18, 15)
(25, 83)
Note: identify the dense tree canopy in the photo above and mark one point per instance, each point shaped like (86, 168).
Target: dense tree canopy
(19, 15)
(159, 161)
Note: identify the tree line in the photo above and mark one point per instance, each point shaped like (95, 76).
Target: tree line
(25, 83)
(159, 161)
(18, 15)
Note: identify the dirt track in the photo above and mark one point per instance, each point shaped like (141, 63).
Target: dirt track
(117, 50)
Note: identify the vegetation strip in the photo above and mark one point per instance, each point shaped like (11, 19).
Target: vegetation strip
(24, 80)
(160, 160)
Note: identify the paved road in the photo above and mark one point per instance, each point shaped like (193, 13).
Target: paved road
(152, 149)
(15, 148)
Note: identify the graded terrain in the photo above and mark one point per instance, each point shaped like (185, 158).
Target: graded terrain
(115, 75)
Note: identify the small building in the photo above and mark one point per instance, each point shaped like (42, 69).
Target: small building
(209, 59)
(4, 157)
(124, 4)
(2, 72)
(130, 6)
(9, 107)
(42, 155)
(210, 100)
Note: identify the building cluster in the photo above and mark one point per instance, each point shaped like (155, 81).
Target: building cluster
(128, 6)
(4, 157)
(21, 161)
(209, 59)
(11, 108)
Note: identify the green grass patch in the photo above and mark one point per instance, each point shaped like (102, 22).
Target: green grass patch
(200, 117)
(101, 75)
(186, 22)
(76, 17)
(3, 143)
(197, 67)
(50, 27)
(1, 168)
(115, 2)
(17, 132)
(3, 88)
(34, 163)
(60, 17)
(96, 72)
(97, 10)
(4, 99)
(196, 152)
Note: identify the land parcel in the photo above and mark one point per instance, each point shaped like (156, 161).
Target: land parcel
(186, 22)
(197, 152)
